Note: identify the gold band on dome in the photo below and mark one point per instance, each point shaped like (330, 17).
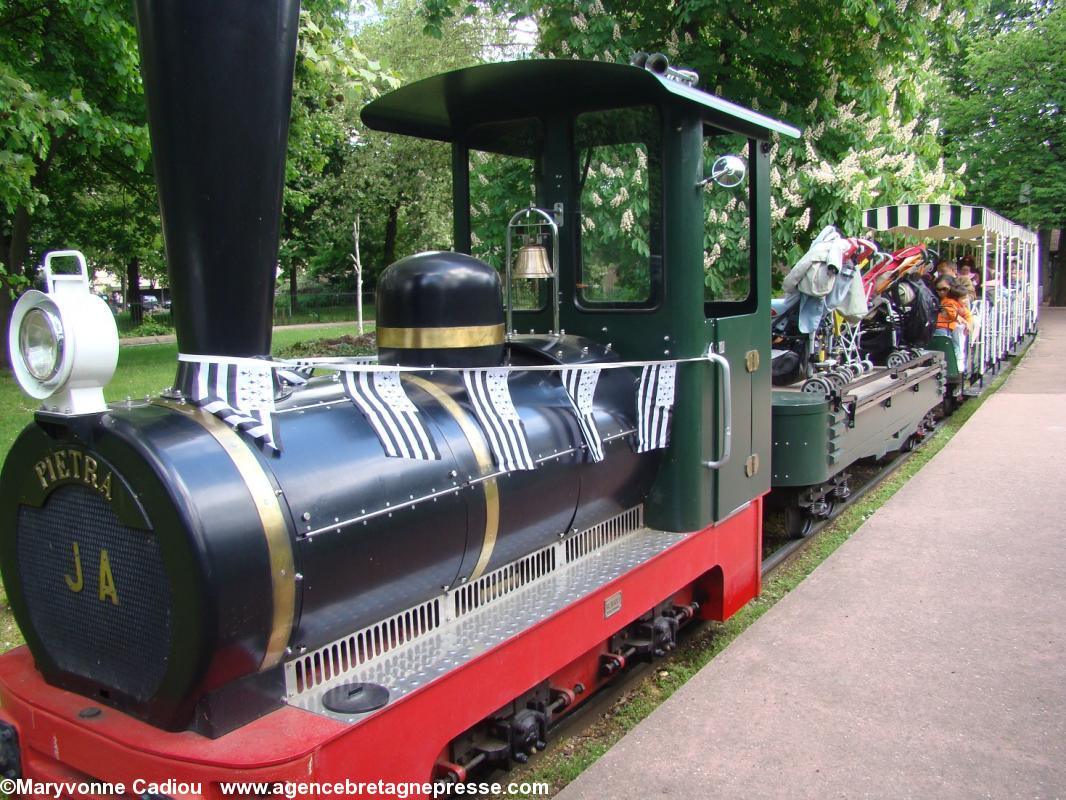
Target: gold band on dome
(441, 338)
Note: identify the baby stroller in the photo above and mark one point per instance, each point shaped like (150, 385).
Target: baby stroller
(903, 309)
(815, 327)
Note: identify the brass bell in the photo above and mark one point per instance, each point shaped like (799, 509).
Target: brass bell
(533, 262)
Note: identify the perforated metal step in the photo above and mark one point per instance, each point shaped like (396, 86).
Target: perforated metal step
(454, 642)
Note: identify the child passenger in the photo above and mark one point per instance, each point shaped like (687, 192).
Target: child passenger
(967, 268)
(954, 320)
(967, 271)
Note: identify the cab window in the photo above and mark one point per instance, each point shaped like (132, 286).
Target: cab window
(727, 230)
(620, 190)
(504, 179)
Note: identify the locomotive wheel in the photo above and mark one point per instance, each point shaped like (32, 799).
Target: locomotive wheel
(798, 523)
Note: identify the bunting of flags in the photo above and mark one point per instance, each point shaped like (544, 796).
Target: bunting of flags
(296, 374)
(580, 385)
(392, 415)
(655, 406)
(241, 395)
(491, 398)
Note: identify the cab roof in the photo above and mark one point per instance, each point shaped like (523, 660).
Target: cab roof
(445, 106)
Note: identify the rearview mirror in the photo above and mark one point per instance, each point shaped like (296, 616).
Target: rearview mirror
(727, 171)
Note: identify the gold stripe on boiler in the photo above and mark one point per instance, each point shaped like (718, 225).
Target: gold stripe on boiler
(441, 338)
(478, 445)
(275, 531)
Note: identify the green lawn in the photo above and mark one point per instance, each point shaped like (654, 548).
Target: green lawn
(142, 370)
(160, 323)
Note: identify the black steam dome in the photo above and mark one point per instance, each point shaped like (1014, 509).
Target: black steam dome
(440, 309)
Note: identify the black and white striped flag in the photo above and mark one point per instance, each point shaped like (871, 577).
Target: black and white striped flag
(392, 415)
(297, 374)
(580, 385)
(491, 398)
(240, 395)
(655, 406)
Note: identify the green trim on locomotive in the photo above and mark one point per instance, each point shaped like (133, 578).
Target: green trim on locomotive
(532, 108)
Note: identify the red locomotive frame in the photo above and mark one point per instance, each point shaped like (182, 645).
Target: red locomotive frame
(62, 740)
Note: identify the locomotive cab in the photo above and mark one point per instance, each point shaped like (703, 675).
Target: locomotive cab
(656, 257)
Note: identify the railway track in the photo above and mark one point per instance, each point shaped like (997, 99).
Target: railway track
(793, 547)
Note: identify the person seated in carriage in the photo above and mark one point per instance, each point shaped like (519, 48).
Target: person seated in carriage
(965, 284)
(954, 320)
(966, 269)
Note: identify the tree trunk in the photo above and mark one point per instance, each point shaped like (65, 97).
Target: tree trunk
(358, 262)
(133, 291)
(17, 247)
(1043, 236)
(1058, 277)
(6, 304)
(391, 223)
(293, 290)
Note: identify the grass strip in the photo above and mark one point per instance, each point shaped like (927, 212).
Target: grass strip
(567, 759)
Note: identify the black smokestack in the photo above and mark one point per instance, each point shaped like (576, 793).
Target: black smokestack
(218, 80)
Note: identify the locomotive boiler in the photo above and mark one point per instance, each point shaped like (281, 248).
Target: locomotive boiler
(259, 572)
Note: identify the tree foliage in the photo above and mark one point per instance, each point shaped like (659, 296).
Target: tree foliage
(333, 77)
(70, 88)
(72, 120)
(854, 75)
(1004, 119)
(399, 186)
(857, 76)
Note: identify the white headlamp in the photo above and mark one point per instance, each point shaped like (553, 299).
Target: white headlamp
(64, 343)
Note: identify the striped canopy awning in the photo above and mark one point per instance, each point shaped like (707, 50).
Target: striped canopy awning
(930, 221)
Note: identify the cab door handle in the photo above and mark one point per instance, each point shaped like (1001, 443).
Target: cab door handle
(726, 392)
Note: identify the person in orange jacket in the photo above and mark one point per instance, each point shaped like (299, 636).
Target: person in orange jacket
(954, 320)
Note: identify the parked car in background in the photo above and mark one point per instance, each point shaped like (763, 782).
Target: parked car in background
(149, 302)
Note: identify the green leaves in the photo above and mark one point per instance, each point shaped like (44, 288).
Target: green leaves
(855, 72)
(69, 89)
(1004, 119)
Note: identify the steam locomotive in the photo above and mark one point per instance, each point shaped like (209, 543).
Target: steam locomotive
(408, 569)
